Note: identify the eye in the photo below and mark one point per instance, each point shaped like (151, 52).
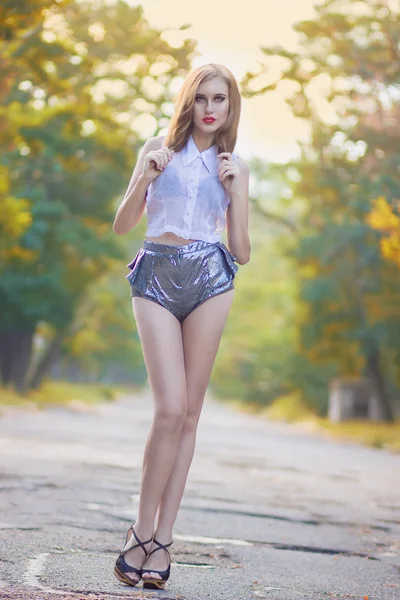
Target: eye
(219, 98)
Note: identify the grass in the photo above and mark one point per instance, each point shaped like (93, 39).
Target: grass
(61, 393)
(375, 434)
(291, 409)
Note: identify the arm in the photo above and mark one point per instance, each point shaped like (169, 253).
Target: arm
(133, 204)
(237, 215)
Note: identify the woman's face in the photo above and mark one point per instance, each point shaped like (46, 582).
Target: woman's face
(211, 100)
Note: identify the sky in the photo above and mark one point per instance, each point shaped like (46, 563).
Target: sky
(232, 34)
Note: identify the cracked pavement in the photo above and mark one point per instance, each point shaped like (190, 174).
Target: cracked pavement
(271, 510)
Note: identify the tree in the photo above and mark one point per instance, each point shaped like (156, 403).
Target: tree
(349, 313)
(76, 77)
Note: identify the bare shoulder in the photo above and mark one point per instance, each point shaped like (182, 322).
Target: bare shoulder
(243, 166)
(155, 143)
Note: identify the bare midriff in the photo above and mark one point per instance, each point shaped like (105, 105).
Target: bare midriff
(169, 238)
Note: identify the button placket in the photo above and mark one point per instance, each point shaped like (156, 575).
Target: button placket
(192, 189)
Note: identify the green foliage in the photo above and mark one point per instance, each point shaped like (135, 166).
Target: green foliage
(348, 314)
(75, 78)
(258, 339)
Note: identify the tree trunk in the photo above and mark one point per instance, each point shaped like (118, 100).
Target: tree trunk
(374, 371)
(15, 357)
(51, 354)
(5, 357)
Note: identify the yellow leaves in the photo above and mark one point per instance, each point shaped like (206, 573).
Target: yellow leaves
(102, 228)
(382, 218)
(87, 341)
(15, 219)
(20, 253)
(15, 216)
(391, 247)
(4, 181)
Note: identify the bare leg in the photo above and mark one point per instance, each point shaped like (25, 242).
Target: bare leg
(161, 338)
(201, 332)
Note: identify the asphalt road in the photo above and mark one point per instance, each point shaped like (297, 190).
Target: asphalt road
(270, 510)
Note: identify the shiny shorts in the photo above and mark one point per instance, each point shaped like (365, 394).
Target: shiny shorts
(181, 277)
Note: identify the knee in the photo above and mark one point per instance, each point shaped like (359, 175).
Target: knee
(170, 416)
(191, 421)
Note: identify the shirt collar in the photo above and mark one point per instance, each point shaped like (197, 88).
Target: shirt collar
(190, 152)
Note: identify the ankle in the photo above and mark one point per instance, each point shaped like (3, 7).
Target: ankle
(144, 532)
(164, 536)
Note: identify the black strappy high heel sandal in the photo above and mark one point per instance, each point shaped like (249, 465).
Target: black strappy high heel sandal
(122, 567)
(157, 584)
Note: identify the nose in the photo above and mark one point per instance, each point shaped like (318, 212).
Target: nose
(209, 109)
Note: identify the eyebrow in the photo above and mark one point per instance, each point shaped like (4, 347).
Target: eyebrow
(220, 94)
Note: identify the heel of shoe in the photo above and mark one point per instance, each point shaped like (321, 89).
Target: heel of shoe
(154, 584)
(121, 567)
(157, 584)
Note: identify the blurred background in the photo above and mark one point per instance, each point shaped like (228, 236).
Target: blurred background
(314, 331)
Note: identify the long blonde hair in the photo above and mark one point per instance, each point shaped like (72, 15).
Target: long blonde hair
(181, 123)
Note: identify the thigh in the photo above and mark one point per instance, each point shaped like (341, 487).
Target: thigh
(160, 335)
(201, 332)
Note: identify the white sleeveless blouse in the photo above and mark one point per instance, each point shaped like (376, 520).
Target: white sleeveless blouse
(187, 198)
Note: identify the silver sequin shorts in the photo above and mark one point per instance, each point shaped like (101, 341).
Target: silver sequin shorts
(181, 277)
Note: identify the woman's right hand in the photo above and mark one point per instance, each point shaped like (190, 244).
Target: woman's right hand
(155, 162)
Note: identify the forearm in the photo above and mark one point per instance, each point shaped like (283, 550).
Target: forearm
(131, 208)
(237, 230)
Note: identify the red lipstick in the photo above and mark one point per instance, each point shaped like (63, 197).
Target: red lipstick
(208, 119)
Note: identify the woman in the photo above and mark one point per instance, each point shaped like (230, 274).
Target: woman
(182, 289)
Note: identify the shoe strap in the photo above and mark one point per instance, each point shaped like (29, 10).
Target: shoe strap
(160, 546)
(140, 543)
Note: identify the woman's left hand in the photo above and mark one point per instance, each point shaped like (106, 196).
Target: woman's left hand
(228, 173)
